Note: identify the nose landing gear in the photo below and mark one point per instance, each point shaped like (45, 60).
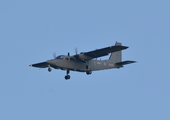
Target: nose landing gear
(67, 76)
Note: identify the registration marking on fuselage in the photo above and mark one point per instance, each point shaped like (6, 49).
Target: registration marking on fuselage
(111, 65)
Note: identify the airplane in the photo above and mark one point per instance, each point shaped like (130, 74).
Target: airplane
(87, 61)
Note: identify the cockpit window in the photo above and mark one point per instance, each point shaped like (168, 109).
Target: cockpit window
(60, 57)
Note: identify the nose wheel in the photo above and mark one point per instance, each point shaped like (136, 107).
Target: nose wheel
(67, 76)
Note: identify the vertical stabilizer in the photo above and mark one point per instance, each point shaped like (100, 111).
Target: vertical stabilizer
(116, 57)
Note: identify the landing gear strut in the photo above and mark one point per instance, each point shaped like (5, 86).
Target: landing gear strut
(89, 71)
(67, 75)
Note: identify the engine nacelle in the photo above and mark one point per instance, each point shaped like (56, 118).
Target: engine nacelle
(83, 57)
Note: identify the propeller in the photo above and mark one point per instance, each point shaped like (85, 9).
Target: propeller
(68, 56)
(76, 50)
(54, 55)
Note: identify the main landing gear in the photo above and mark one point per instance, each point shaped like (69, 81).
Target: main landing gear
(67, 75)
(89, 72)
(49, 69)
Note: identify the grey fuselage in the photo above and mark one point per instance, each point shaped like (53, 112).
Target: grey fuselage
(93, 65)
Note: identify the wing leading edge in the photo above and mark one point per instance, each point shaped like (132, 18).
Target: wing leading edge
(104, 51)
(100, 52)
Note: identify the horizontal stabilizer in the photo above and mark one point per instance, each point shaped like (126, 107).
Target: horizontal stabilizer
(125, 62)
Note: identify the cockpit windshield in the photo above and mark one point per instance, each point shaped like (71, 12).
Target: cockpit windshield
(60, 57)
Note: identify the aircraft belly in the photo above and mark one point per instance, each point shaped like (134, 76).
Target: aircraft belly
(76, 66)
(93, 65)
(71, 65)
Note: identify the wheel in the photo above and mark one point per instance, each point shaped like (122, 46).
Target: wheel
(49, 69)
(89, 72)
(67, 77)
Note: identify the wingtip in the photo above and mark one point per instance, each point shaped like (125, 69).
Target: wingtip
(30, 65)
(134, 61)
(126, 47)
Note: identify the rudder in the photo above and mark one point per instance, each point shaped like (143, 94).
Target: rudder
(116, 57)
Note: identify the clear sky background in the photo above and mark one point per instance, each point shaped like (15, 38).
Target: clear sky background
(32, 30)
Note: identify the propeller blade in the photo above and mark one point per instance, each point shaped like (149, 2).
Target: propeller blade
(69, 56)
(76, 50)
(54, 55)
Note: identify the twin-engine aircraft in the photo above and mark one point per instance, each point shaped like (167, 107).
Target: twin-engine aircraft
(87, 61)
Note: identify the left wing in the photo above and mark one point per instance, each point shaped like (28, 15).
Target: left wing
(40, 65)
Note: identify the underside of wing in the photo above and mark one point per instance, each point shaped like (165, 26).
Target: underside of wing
(104, 51)
(40, 65)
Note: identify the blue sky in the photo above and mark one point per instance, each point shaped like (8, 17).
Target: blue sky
(31, 31)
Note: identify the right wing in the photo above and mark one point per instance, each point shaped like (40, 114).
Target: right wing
(104, 51)
(99, 52)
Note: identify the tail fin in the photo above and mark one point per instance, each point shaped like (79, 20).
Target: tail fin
(116, 57)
